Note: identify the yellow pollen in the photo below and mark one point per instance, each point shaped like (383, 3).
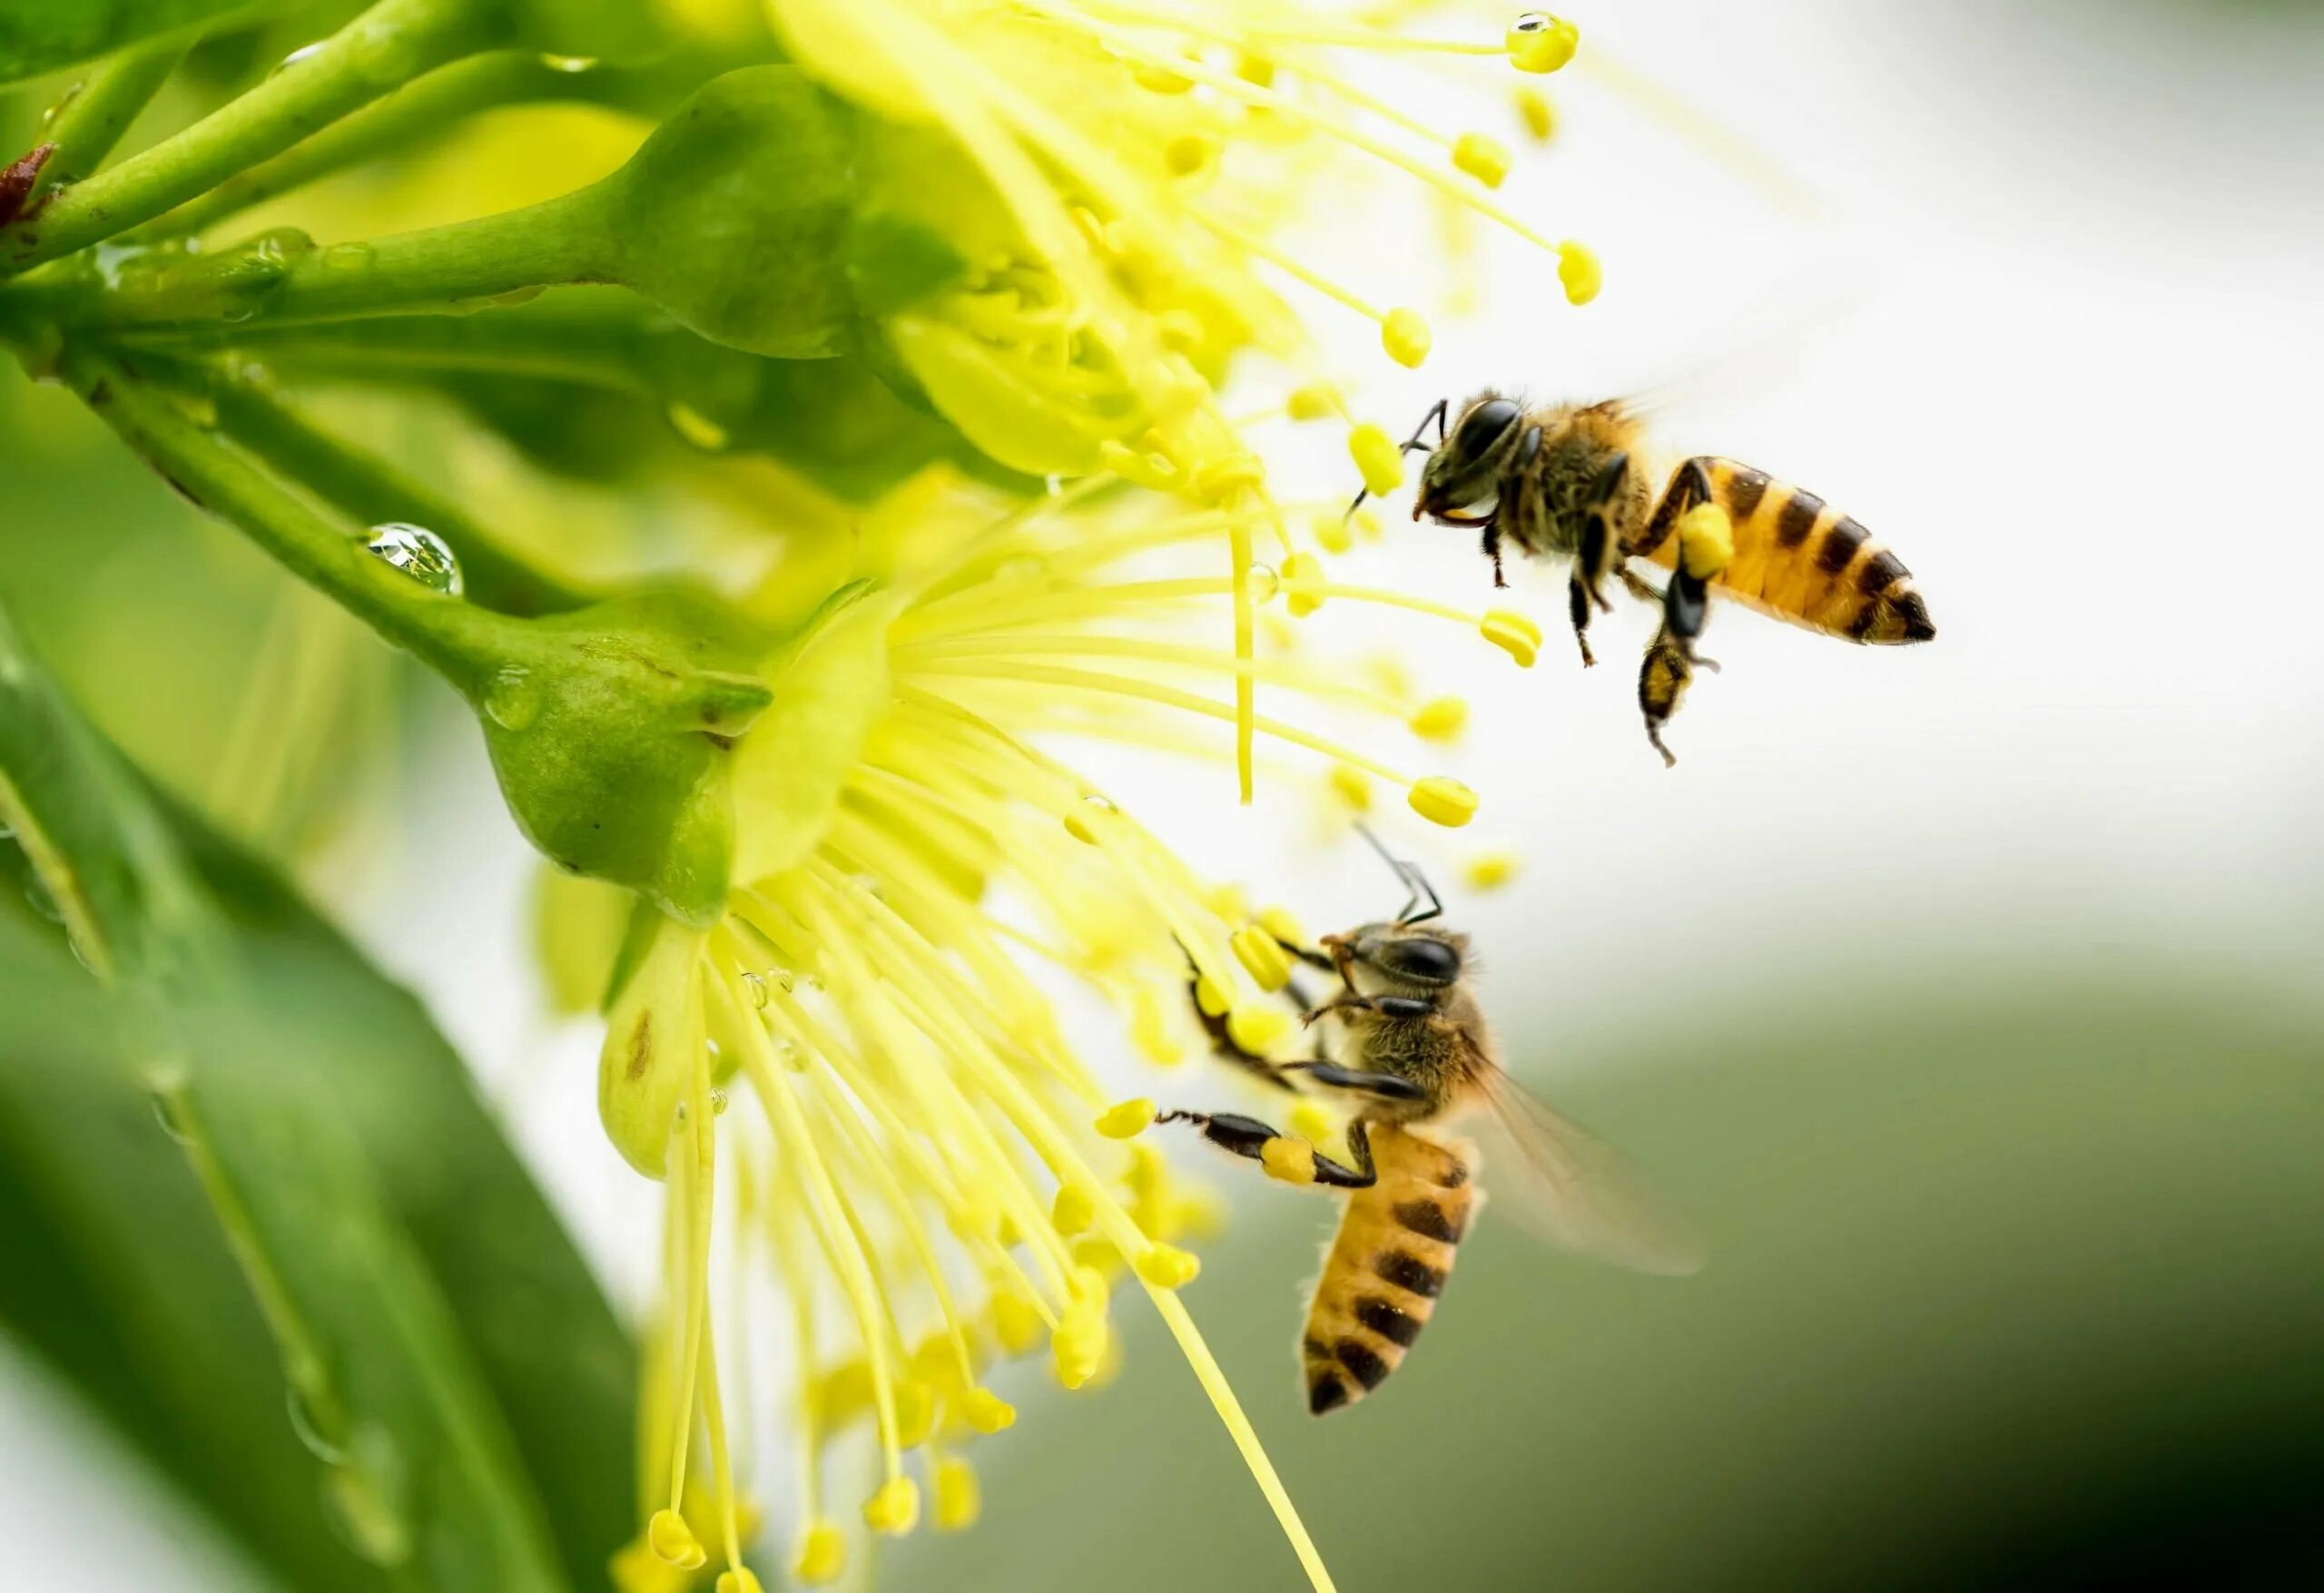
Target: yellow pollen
(1377, 456)
(1537, 42)
(1441, 720)
(674, 1541)
(1261, 957)
(1577, 269)
(1279, 923)
(1071, 1212)
(957, 1501)
(987, 1413)
(915, 1413)
(1303, 579)
(821, 1554)
(1514, 634)
(1257, 68)
(1481, 158)
(1078, 1345)
(1443, 801)
(1332, 533)
(894, 1509)
(1256, 1028)
(1539, 116)
(1315, 401)
(1125, 1119)
(1291, 1161)
(1353, 786)
(1706, 540)
(1405, 335)
(1165, 1266)
(1490, 869)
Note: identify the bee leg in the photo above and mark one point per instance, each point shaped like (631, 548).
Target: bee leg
(1492, 550)
(1640, 587)
(1285, 1156)
(1689, 485)
(1663, 680)
(1595, 556)
(1387, 1087)
(1386, 1006)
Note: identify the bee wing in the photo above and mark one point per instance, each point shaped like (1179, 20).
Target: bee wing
(1574, 1190)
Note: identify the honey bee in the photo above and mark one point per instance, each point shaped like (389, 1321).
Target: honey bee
(1414, 1050)
(1571, 481)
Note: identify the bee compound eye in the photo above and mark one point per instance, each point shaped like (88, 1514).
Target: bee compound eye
(1483, 427)
(1425, 958)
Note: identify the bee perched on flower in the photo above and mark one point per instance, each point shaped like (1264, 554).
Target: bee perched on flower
(802, 352)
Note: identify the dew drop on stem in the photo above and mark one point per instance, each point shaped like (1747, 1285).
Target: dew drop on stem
(418, 552)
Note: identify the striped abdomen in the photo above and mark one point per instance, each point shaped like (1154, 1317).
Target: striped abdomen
(1391, 1257)
(1800, 559)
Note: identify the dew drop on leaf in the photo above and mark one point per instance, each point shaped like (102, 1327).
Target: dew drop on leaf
(307, 1429)
(1263, 584)
(43, 902)
(418, 552)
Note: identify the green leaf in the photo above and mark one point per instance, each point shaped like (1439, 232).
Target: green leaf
(332, 1213)
(46, 34)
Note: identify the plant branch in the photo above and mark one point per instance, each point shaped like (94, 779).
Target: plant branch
(99, 110)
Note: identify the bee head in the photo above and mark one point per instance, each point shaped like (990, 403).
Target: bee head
(1463, 476)
(1403, 955)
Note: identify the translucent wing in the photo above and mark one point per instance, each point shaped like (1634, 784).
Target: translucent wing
(1573, 1189)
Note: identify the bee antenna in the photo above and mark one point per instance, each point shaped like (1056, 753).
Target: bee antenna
(1406, 447)
(1414, 880)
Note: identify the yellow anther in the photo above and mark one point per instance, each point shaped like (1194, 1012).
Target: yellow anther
(1255, 69)
(740, 1579)
(1189, 153)
(1514, 634)
(1706, 540)
(1078, 1345)
(1541, 117)
(1125, 1119)
(1537, 42)
(935, 1361)
(1291, 1161)
(1377, 456)
(1015, 1322)
(1302, 583)
(1082, 819)
(674, 1541)
(987, 1413)
(1406, 338)
(1182, 331)
(894, 1509)
(1094, 1252)
(957, 1502)
(1149, 470)
(1279, 923)
(1256, 1028)
(1442, 800)
(1261, 957)
(1577, 269)
(1353, 786)
(1229, 900)
(821, 1554)
(1217, 480)
(1149, 1031)
(1439, 720)
(1367, 524)
(1213, 1001)
(1160, 80)
(1310, 1122)
(1165, 1266)
(1072, 1210)
(845, 1391)
(1315, 401)
(1481, 158)
(915, 1413)
(1332, 532)
(1490, 869)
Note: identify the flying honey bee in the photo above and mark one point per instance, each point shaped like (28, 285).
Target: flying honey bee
(1414, 1050)
(1572, 481)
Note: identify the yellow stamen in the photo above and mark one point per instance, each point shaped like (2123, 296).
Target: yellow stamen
(1442, 801)
(1127, 1119)
(821, 1554)
(1513, 634)
(1261, 957)
(1481, 158)
(1578, 270)
(1488, 870)
(1441, 720)
(1540, 42)
(1378, 458)
(893, 1510)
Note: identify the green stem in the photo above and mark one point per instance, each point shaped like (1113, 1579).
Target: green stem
(454, 639)
(366, 487)
(379, 51)
(281, 280)
(99, 109)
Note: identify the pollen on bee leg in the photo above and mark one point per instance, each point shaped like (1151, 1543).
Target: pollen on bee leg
(1442, 800)
(1288, 1160)
(1706, 540)
(1125, 1119)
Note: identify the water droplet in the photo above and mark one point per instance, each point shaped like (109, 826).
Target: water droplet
(43, 901)
(1262, 583)
(163, 1099)
(569, 63)
(697, 428)
(364, 1498)
(1054, 485)
(514, 700)
(418, 552)
(1530, 22)
(718, 1103)
(756, 984)
(296, 56)
(7, 830)
(1098, 803)
(347, 257)
(307, 1430)
(790, 1056)
(682, 1113)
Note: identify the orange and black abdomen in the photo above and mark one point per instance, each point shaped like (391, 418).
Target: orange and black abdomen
(1798, 558)
(1387, 1265)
